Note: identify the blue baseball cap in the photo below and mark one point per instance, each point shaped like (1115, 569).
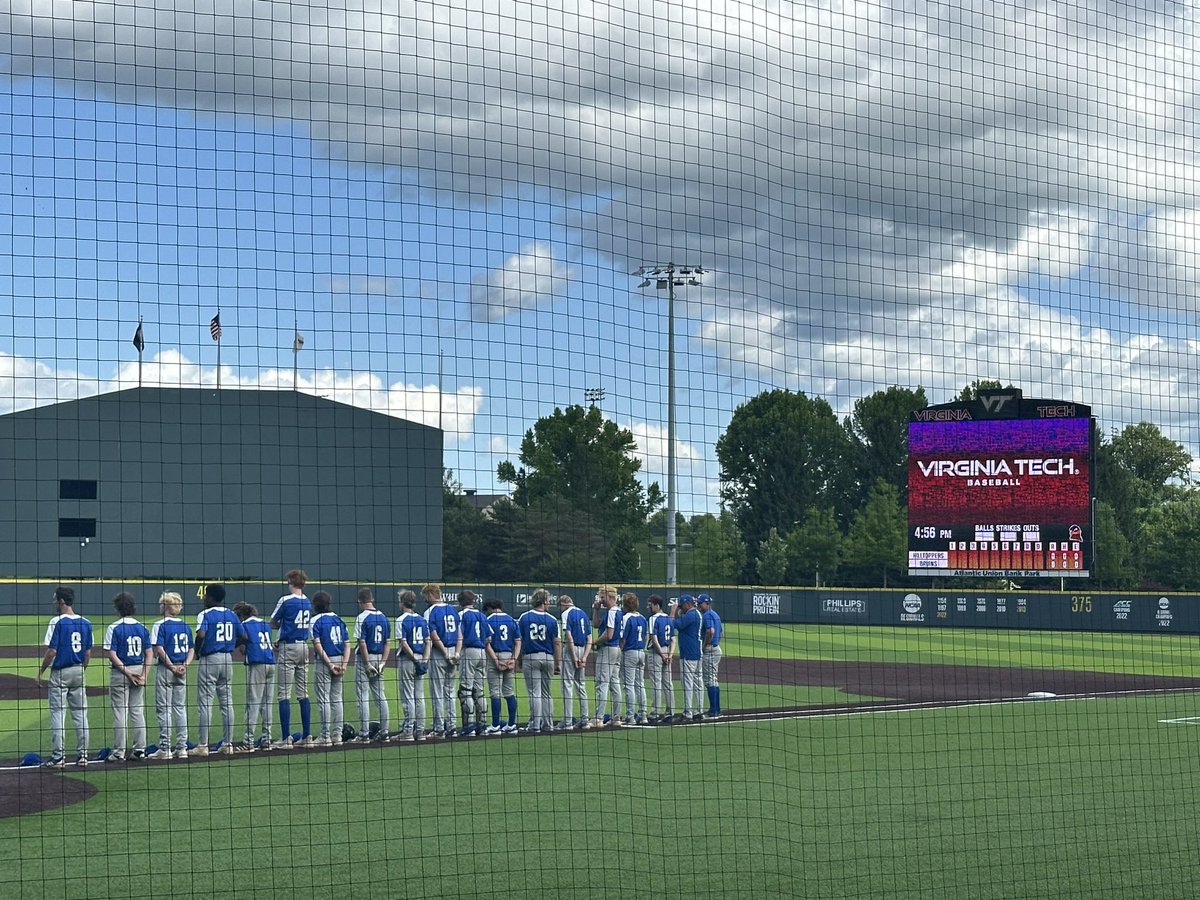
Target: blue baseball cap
(704, 598)
(686, 598)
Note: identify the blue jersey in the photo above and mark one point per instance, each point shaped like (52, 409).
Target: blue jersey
(329, 630)
(443, 621)
(633, 632)
(413, 629)
(538, 630)
(577, 626)
(293, 618)
(712, 621)
(221, 628)
(71, 638)
(474, 626)
(504, 632)
(663, 629)
(174, 637)
(612, 619)
(260, 646)
(374, 629)
(129, 639)
(687, 627)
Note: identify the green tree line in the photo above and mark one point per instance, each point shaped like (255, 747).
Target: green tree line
(806, 499)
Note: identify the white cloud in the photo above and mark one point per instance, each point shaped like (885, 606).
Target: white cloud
(25, 383)
(651, 450)
(526, 279)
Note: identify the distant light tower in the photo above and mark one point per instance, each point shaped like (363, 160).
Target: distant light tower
(668, 276)
(592, 396)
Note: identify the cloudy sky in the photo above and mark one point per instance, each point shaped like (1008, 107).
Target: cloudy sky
(454, 194)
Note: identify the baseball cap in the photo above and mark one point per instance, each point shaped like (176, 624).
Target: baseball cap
(704, 598)
(686, 598)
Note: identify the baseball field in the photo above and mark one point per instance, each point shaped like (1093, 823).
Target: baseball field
(855, 762)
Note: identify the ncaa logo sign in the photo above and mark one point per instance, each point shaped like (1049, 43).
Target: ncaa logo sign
(911, 609)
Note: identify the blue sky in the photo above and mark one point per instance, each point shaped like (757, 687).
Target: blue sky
(912, 195)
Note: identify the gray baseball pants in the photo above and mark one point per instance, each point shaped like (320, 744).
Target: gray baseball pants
(67, 691)
(259, 701)
(330, 706)
(539, 672)
(214, 676)
(608, 681)
(370, 689)
(170, 707)
(633, 677)
(128, 709)
(292, 659)
(574, 684)
(662, 692)
(441, 689)
(693, 686)
(472, 674)
(501, 684)
(412, 696)
(710, 661)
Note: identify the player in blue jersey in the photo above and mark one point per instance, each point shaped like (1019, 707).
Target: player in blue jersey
(658, 661)
(633, 660)
(577, 647)
(539, 656)
(217, 633)
(68, 644)
(127, 643)
(472, 664)
(171, 641)
(688, 624)
(331, 647)
(413, 646)
(606, 616)
(447, 644)
(503, 644)
(711, 630)
(260, 677)
(292, 618)
(373, 634)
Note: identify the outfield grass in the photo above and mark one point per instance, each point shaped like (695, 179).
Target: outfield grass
(1081, 799)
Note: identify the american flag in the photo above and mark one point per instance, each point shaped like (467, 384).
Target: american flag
(214, 327)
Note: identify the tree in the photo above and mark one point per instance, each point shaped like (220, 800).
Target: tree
(548, 541)
(463, 532)
(972, 390)
(814, 548)
(1150, 456)
(1114, 563)
(877, 539)
(878, 434)
(772, 559)
(1168, 542)
(782, 454)
(717, 554)
(585, 463)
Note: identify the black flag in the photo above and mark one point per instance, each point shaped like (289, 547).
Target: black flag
(138, 340)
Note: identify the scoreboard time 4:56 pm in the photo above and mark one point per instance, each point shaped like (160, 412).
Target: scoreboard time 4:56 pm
(1001, 486)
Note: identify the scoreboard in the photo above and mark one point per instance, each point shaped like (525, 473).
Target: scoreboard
(1001, 486)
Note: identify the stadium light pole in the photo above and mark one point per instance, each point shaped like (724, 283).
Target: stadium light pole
(668, 276)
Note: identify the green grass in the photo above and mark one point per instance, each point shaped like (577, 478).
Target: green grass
(1080, 799)
(1085, 799)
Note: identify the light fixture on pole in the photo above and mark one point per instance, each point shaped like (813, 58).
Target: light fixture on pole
(592, 396)
(667, 277)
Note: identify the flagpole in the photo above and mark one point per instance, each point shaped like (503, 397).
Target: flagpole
(140, 345)
(296, 356)
(218, 350)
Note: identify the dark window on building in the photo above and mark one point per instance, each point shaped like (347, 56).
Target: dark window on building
(76, 489)
(76, 528)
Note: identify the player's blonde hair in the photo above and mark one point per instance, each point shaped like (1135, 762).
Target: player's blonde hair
(170, 603)
(606, 589)
(432, 591)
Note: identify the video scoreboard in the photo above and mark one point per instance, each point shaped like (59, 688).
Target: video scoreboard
(1001, 486)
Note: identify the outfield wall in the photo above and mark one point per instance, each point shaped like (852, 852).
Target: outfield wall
(1042, 610)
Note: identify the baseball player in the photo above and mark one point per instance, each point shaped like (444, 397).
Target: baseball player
(688, 623)
(633, 660)
(373, 632)
(412, 662)
(710, 652)
(472, 665)
(260, 676)
(540, 656)
(171, 641)
(577, 647)
(68, 644)
(332, 651)
(447, 644)
(658, 661)
(292, 618)
(217, 633)
(504, 642)
(606, 616)
(127, 644)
